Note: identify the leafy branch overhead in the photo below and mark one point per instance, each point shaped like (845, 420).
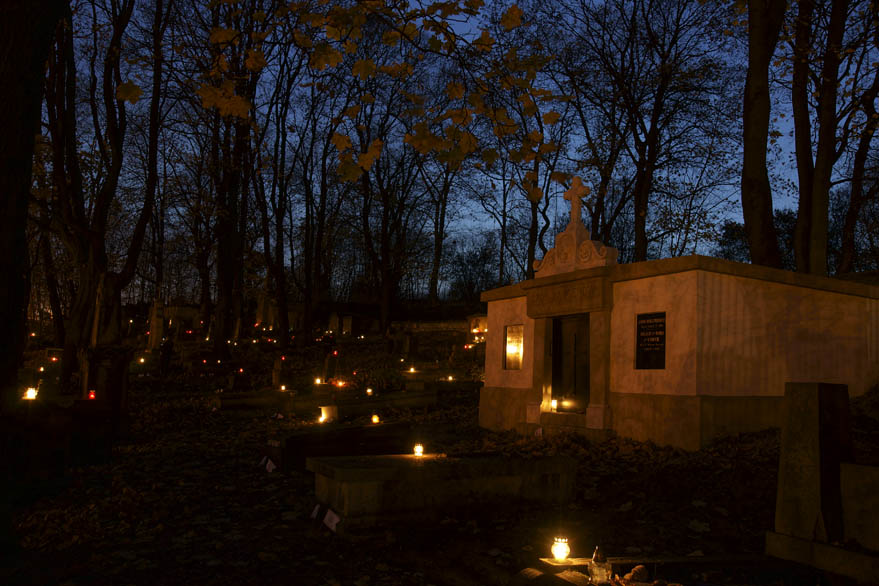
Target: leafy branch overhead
(333, 39)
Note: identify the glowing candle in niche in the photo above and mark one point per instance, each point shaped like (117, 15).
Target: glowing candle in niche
(317, 381)
(30, 393)
(375, 419)
(369, 392)
(554, 404)
(418, 450)
(514, 339)
(283, 387)
(560, 549)
(411, 369)
(142, 360)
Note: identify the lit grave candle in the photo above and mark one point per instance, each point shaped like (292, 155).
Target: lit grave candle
(369, 392)
(560, 549)
(375, 419)
(92, 394)
(418, 450)
(317, 381)
(30, 394)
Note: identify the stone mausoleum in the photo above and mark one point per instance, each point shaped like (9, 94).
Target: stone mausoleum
(678, 351)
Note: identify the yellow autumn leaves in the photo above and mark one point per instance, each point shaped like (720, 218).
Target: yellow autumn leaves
(349, 168)
(326, 35)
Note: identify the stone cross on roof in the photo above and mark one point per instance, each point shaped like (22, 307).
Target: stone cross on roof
(574, 249)
(577, 191)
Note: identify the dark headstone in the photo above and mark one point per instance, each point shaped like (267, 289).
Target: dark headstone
(816, 438)
(331, 363)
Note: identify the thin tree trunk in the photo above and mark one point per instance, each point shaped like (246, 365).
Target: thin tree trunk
(803, 133)
(52, 287)
(857, 197)
(532, 241)
(439, 236)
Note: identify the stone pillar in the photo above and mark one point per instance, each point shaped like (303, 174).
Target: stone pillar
(598, 412)
(815, 439)
(541, 370)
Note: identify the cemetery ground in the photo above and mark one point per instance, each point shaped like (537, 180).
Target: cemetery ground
(186, 498)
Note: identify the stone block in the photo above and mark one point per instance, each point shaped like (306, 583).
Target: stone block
(815, 439)
(253, 400)
(859, 487)
(368, 489)
(860, 566)
(339, 440)
(355, 406)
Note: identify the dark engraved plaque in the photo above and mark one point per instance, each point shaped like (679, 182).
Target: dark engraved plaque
(650, 341)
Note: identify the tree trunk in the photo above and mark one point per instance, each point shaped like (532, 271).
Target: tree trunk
(641, 193)
(803, 133)
(439, 237)
(532, 241)
(825, 154)
(857, 198)
(765, 18)
(52, 287)
(26, 31)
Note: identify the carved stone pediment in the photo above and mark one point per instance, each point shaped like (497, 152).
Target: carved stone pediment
(574, 248)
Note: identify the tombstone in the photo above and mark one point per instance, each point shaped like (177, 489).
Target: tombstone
(157, 324)
(331, 363)
(280, 373)
(816, 438)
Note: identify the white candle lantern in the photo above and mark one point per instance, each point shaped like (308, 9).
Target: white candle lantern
(560, 549)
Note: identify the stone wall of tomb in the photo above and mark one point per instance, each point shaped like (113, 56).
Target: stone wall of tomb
(755, 335)
(505, 398)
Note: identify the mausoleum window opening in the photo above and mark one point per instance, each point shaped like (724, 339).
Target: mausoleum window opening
(514, 337)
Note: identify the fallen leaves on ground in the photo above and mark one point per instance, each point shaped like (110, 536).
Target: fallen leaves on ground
(187, 501)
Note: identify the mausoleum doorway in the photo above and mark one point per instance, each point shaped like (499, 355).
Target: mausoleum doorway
(569, 352)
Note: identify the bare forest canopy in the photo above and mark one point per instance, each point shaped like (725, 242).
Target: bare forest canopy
(209, 152)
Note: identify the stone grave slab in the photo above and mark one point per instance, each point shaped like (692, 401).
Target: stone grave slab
(364, 405)
(368, 490)
(252, 400)
(348, 440)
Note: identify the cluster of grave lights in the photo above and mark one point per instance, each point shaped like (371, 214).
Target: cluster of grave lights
(600, 569)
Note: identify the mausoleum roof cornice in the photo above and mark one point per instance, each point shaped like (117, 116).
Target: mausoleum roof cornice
(667, 266)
